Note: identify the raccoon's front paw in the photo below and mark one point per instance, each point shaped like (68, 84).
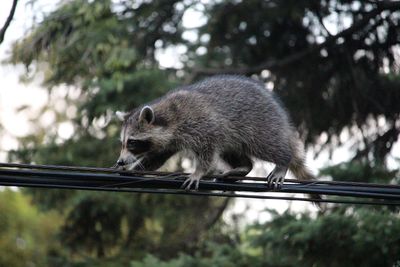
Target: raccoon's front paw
(193, 179)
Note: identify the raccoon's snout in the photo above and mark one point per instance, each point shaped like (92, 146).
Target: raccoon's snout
(129, 164)
(125, 158)
(120, 162)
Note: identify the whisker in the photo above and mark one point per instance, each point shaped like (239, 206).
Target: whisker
(140, 164)
(114, 166)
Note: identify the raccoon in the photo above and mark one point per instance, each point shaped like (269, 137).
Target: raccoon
(230, 118)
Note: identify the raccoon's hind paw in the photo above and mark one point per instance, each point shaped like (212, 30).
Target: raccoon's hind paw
(187, 184)
(275, 182)
(276, 178)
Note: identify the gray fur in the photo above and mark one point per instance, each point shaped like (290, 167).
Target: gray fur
(226, 117)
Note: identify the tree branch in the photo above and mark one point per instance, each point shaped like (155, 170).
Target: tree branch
(8, 21)
(213, 218)
(276, 64)
(390, 136)
(321, 21)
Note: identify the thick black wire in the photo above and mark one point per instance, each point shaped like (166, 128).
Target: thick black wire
(104, 179)
(118, 180)
(18, 180)
(112, 180)
(156, 173)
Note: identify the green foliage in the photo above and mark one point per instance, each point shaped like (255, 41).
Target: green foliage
(99, 229)
(360, 172)
(219, 256)
(26, 235)
(362, 237)
(104, 52)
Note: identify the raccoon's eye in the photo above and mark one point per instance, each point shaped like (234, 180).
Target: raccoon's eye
(138, 146)
(131, 142)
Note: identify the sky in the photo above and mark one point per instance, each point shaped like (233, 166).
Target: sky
(14, 94)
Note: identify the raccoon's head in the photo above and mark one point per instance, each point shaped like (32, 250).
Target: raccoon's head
(143, 132)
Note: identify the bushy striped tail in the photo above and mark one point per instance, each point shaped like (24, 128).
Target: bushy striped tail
(298, 168)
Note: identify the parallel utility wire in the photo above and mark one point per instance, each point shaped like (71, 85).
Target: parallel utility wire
(107, 179)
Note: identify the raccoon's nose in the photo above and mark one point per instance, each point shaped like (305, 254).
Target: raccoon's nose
(120, 162)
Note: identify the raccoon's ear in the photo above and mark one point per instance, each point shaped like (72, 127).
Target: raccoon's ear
(146, 115)
(121, 115)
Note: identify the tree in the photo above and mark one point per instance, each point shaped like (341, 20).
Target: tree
(26, 235)
(334, 79)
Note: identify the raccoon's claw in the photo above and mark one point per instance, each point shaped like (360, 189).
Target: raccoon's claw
(187, 184)
(276, 178)
(275, 181)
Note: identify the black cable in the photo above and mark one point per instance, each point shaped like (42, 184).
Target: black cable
(156, 173)
(213, 194)
(105, 179)
(112, 180)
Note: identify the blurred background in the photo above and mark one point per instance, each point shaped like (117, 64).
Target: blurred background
(67, 65)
